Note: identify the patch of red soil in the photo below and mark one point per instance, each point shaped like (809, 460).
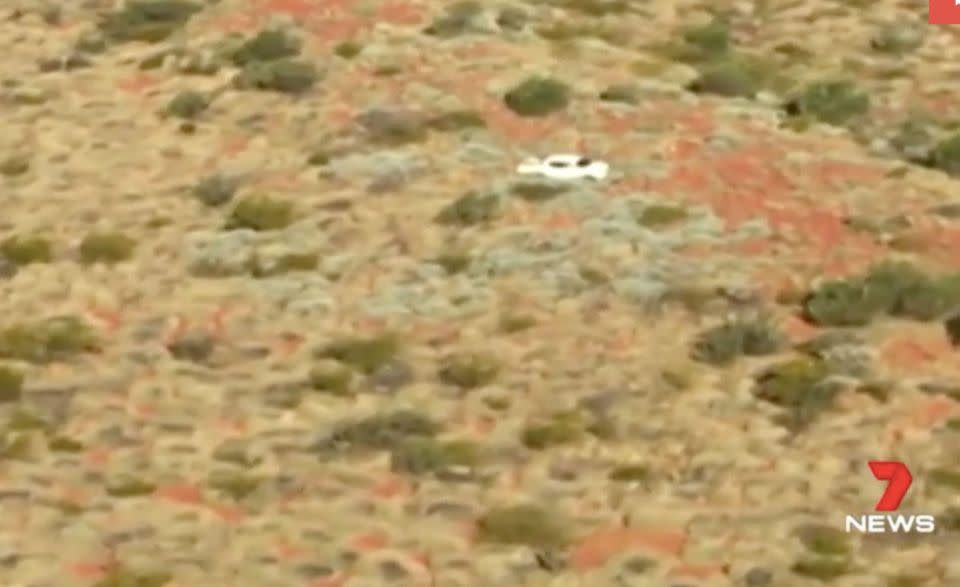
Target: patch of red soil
(98, 457)
(137, 83)
(398, 12)
(369, 542)
(390, 487)
(90, 570)
(228, 512)
(927, 414)
(110, 320)
(182, 493)
(912, 353)
(594, 550)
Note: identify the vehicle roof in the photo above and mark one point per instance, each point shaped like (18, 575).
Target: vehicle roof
(564, 157)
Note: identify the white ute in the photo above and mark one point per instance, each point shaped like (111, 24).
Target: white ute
(565, 167)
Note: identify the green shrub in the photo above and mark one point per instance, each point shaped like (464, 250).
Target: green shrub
(456, 19)
(659, 215)
(524, 525)
(286, 263)
(799, 387)
(382, 431)
(260, 213)
(129, 486)
(897, 38)
(730, 77)
(11, 385)
(712, 39)
(122, 576)
(928, 298)
(454, 262)
(894, 288)
(215, 190)
(538, 191)
(286, 76)
(623, 93)
(456, 120)
(187, 105)
(148, 21)
(366, 355)
(945, 155)
(822, 568)
(538, 96)
(14, 165)
(725, 343)
(595, 7)
(824, 540)
(267, 45)
(842, 303)
(559, 430)
(630, 473)
(419, 456)
(335, 378)
(469, 370)
(47, 340)
(835, 102)
(952, 327)
(510, 322)
(235, 485)
(470, 209)
(348, 49)
(24, 250)
(107, 247)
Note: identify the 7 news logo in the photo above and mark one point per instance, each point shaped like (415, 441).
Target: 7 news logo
(944, 12)
(898, 479)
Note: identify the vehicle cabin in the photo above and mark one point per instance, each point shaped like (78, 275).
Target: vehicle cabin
(565, 163)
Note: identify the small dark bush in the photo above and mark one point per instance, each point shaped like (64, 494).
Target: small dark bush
(267, 45)
(382, 431)
(725, 343)
(456, 120)
(456, 19)
(47, 340)
(286, 76)
(731, 77)
(260, 213)
(469, 370)
(11, 385)
(945, 155)
(842, 303)
(366, 355)
(798, 386)
(824, 540)
(538, 96)
(470, 209)
(419, 456)
(348, 49)
(187, 105)
(897, 38)
(525, 525)
(107, 247)
(335, 378)
(835, 102)
(215, 190)
(660, 215)
(624, 93)
(24, 250)
(148, 21)
(712, 39)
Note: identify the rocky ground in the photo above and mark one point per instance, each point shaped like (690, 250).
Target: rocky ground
(275, 311)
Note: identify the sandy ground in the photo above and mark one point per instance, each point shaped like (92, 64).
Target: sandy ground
(302, 326)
